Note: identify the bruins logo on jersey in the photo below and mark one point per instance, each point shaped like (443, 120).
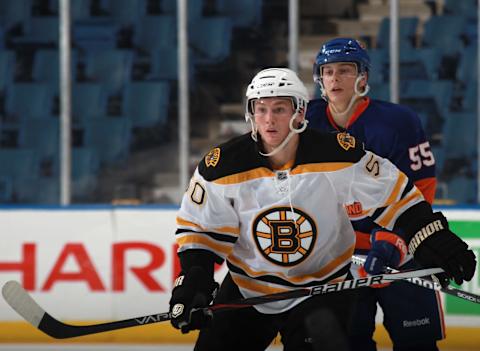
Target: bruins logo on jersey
(212, 157)
(284, 237)
(346, 140)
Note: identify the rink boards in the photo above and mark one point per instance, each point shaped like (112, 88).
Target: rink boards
(89, 264)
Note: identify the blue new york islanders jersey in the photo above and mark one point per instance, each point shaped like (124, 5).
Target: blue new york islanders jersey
(390, 130)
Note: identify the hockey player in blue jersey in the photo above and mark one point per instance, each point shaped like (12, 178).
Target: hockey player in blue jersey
(395, 132)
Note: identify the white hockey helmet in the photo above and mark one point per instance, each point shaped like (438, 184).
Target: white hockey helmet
(277, 82)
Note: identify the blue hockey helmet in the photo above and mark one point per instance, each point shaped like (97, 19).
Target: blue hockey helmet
(341, 50)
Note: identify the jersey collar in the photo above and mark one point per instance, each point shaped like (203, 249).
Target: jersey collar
(362, 106)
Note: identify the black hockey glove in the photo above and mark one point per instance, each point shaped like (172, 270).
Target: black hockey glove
(435, 245)
(194, 289)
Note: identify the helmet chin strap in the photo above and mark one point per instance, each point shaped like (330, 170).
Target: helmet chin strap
(285, 141)
(356, 95)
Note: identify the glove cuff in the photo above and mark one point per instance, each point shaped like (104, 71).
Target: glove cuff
(437, 223)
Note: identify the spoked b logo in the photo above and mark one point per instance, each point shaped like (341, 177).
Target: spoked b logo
(284, 237)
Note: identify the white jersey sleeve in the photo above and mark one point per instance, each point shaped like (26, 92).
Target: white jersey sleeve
(206, 219)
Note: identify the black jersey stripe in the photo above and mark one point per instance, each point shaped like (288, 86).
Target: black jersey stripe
(213, 235)
(280, 281)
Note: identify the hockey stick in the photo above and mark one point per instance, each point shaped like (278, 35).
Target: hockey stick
(21, 301)
(429, 284)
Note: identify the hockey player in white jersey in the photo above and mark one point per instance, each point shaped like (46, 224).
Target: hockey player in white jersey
(272, 205)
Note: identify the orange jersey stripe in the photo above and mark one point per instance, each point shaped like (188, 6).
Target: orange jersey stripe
(229, 230)
(427, 186)
(203, 240)
(362, 241)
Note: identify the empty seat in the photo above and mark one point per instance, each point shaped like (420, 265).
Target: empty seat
(41, 31)
(467, 66)
(127, 12)
(96, 34)
(462, 190)
(444, 32)
(156, 32)
(146, 103)
(164, 65)
(407, 31)
(13, 13)
(460, 135)
(42, 135)
(7, 68)
(39, 191)
(246, 13)
(210, 39)
(88, 100)
(79, 9)
(46, 67)
(110, 137)
(18, 163)
(26, 100)
(85, 167)
(470, 98)
(194, 8)
(111, 68)
(378, 62)
(5, 189)
(466, 8)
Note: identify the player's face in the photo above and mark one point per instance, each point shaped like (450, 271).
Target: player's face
(272, 117)
(339, 81)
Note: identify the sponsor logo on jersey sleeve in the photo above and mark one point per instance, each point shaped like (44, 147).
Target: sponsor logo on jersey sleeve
(284, 237)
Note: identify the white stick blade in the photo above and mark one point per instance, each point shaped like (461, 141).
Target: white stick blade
(19, 299)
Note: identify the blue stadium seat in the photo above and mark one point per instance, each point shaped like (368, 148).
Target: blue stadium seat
(7, 69)
(407, 31)
(18, 163)
(466, 8)
(431, 97)
(156, 32)
(379, 60)
(85, 167)
(164, 65)
(146, 103)
(79, 9)
(27, 100)
(41, 135)
(467, 67)
(96, 34)
(246, 13)
(13, 13)
(470, 98)
(46, 67)
(431, 59)
(439, 155)
(39, 191)
(88, 100)
(210, 39)
(110, 137)
(111, 68)
(127, 12)
(444, 32)
(5, 189)
(460, 135)
(40, 31)
(379, 91)
(194, 8)
(462, 190)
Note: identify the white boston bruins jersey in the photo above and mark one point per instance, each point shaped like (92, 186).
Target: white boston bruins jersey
(286, 229)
